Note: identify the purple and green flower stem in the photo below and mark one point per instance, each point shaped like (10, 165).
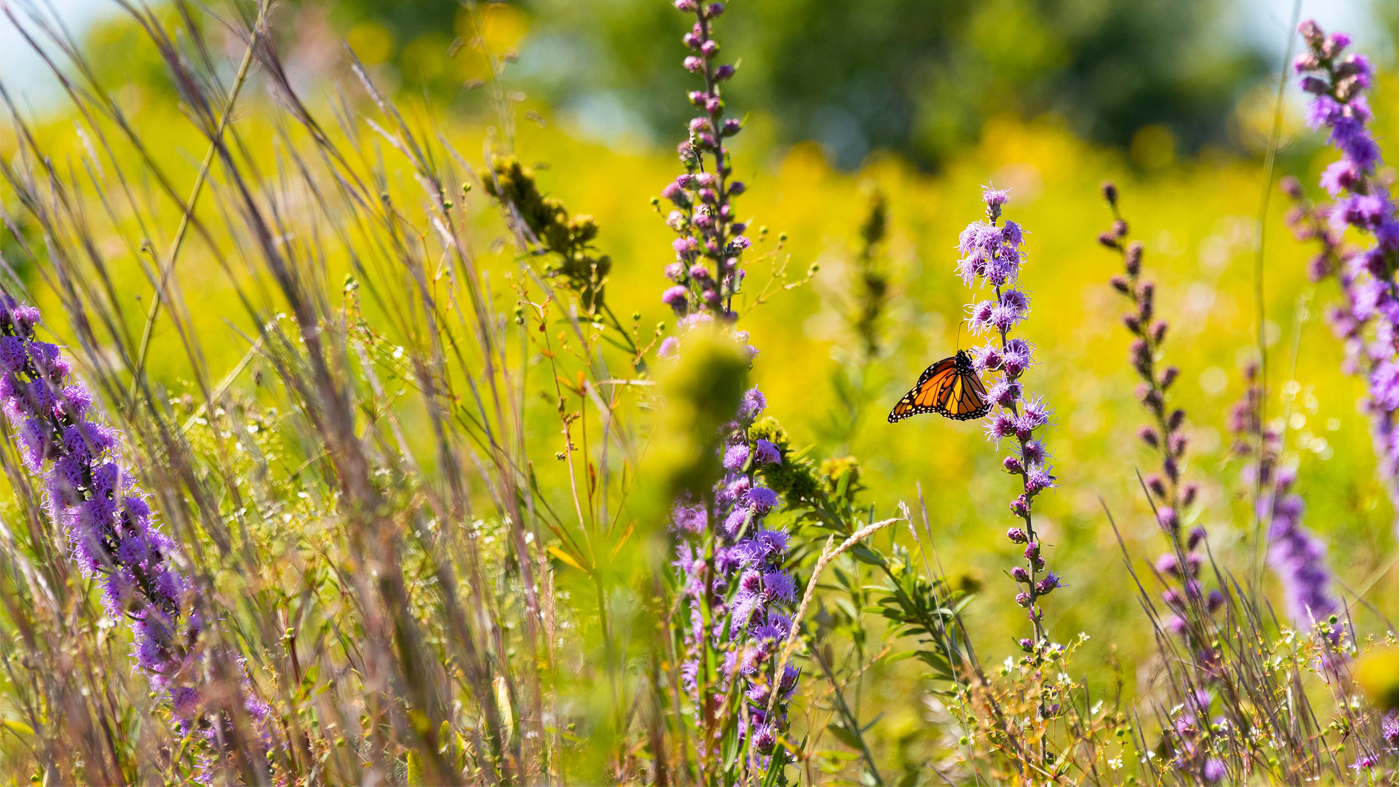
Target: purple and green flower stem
(738, 594)
(90, 494)
(709, 241)
(1369, 321)
(992, 257)
(1297, 557)
(1165, 435)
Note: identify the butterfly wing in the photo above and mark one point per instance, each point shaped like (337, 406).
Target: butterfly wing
(965, 399)
(932, 388)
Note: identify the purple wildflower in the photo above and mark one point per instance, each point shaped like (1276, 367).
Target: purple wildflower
(1298, 558)
(1369, 323)
(111, 532)
(747, 587)
(992, 256)
(1164, 433)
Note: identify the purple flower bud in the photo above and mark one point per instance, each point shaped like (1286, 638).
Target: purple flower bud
(736, 188)
(1024, 599)
(1003, 424)
(693, 64)
(1004, 393)
(1169, 467)
(1176, 444)
(1311, 32)
(1019, 574)
(676, 297)
(1120, 284)
(1033, 452)
(714, 10)
(1168, 377)
(1013, 465)
(762, 499)
(1166, 516)
(1148, 435)
(1132, 258)
(1312, 84)
(1110, 192)
(1032, 550)
(1154, 482)
(1049, 583)
(1188, 496)
(685, 5)
(1038, 479)
(1016, 535)
(1021, 506)
(736, 457)
(765, 738)
(1214, 601)
(1027, 644)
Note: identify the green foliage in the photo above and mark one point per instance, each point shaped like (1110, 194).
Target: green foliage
(920, 77)
(567, 239)
(699, 395)
(793, 477)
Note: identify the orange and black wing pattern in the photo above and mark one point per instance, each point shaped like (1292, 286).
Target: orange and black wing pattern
(950, 388)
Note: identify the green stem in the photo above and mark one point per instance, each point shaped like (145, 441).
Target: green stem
(179, 239)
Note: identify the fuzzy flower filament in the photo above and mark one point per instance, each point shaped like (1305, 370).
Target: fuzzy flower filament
(992, 257)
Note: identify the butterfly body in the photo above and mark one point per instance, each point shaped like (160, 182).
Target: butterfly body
(950, 388)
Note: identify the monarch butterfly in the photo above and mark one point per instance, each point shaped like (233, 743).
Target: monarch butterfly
(950, 388)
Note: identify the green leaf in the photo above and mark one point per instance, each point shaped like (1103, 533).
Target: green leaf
(865, 555)
(844, 735)
(17, 727)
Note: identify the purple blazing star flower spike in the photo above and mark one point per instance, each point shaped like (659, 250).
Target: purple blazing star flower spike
(992, 257)
(109, 526)
(1300, 560)
(747, 585)
(1338, 85)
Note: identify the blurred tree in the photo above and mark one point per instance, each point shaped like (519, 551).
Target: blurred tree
(917, 76)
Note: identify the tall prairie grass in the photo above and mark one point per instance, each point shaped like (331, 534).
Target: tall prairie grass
(390, 373)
